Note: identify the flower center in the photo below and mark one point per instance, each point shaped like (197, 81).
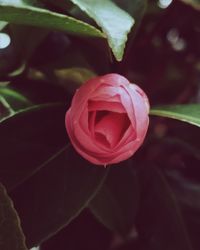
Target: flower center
(109, 127)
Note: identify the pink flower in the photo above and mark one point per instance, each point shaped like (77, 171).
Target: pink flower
(108, 119)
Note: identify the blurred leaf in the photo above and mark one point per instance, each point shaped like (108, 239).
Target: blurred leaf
(115, 22)
(2, 25)
(26, 39)
(23, 42)
(56, 194)
(183, 146)
(11, 235)
(160, 222)
(193, 3)
(186, 190)
(74, 75)
(71, 52)
(73, 78)
(28, 139)
(17, 71)
(187, 113)
(134, 8)
(21, 12)
(116, 204)
(14, 99)
(11, 101)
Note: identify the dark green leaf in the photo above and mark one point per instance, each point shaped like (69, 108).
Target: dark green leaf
(187, 192)
(182, 145)
(54, 196)
(115, 22)
(11, 235)
(21, 12)
(187, 113)
(116, 203)
(29, 138)
(160, 221)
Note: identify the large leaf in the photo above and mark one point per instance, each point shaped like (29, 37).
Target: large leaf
(115, 22)
(28, 139)
(117, 202)
(160, 221)
(22, 12)
(11, 235)
(54, 196)
(187, 113)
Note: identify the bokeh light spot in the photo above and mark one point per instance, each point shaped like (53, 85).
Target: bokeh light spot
(4, 40)
(163, 4)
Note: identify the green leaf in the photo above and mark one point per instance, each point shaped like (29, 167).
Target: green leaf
(11, 235)
(21, 12)
(54, 196)
(160, 222)
(187, 113)
(115, 22)
(15, 99)
(116, 204)
(11, 101)
(28, 139)
(3, 25)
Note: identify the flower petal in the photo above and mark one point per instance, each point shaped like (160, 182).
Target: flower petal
(114, 79)
(105, 105)
(112, 127)
(141, 112)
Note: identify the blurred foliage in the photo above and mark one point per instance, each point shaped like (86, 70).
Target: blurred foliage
(48, 49)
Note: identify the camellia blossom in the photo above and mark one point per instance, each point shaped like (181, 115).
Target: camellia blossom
(108, 119)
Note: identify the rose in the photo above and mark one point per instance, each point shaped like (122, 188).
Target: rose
(108, 119)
